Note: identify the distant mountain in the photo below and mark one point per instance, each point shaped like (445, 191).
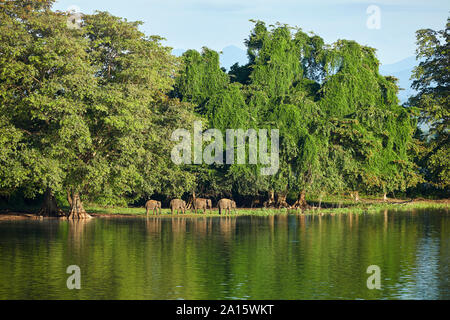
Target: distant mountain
(401, 70)
(232, 54)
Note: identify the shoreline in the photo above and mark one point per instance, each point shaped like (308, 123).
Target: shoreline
(357, 208)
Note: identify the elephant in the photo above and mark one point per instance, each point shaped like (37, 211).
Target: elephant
(153, 205)
(255, 202)
(201, 203)
(227, 205)
(178, 204)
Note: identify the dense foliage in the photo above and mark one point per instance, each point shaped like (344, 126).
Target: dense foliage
(341, 125)
(431, 80)
(89, 111)
(85, 110)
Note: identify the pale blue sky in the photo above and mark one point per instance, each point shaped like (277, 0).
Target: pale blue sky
(216, 24)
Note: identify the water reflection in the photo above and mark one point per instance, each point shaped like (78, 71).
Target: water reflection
(274, 257)
(77, 236)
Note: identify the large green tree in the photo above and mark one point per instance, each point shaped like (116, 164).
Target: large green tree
(371, 134)
(45, 80)
(85, 110)
(431, 80)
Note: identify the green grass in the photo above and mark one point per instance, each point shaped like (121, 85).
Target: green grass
(166, 212)
(328, 207)
(347, 207)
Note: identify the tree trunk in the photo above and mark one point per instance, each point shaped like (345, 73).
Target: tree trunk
(50, 207)
(69, 198)
(77, 211)
(282, 203)
(271, 201)
(356, 196)
(301, 202)
(385, 197)
(191, 201)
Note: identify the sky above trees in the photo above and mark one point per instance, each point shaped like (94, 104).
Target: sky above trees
(218, 23)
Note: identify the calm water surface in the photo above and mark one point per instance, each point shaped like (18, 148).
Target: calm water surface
(277, 257)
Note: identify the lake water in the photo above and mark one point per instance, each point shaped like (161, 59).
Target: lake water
(270, 257)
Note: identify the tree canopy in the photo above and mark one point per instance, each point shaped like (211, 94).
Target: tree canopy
(86, 110)
(341, 124)
(431, 80)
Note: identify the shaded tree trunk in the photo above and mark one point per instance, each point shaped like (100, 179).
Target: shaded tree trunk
(271, 201)
(77, 211)
(301, 202)
(191, 201)
(282, 203)
(255, 202)
(50, 207)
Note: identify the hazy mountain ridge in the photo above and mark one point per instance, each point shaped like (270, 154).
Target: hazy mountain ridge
(402, 70)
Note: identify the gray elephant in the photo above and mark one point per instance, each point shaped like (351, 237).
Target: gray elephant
(178, 205)
(202, 204)
(153, 205)
(227, 205)
(255, 202)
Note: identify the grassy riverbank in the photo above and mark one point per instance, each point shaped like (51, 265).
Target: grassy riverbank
(332, 208)
(361, 207)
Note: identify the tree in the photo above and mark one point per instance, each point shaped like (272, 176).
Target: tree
(370, 133)
(200, 78)
(86, 110)
(45, 77)
(431, 80)
(285, 98)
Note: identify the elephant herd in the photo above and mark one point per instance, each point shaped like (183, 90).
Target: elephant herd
(178, 205)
